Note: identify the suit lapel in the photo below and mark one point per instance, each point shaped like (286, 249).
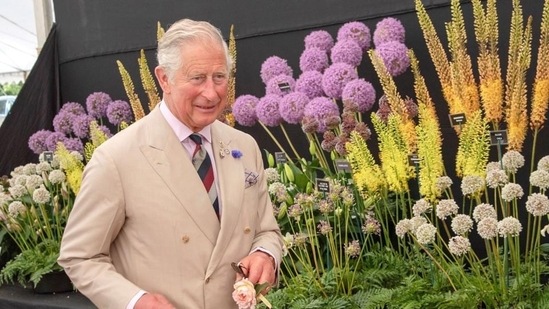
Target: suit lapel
(169, 159)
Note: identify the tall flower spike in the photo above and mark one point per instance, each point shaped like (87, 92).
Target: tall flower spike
(515, 92)
(135, 103)
(148, 81)
(474, 147)
(429, 141)
(97, 137)
(227, 116)
(159, 31)
(367, 174)
(540, 91)
(73, 167)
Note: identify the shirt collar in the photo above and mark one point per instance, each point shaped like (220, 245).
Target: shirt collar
(180, 129)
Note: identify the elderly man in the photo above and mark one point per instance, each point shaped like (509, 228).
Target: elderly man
(169, 203)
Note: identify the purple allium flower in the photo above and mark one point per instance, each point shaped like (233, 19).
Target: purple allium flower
(97, 104)
(384, 108)
(274, 66)
(119, 111)
(74, 144)
(313, 59)
(236, 153)
(105, 130)
(336, 77)
(267, 110)
(53, 139)
(280, 85)
(292, 106)
(360, 94)
(320, 39)
(356, 31)
(348, 122)
(310, 83)
(244, 110)
(387, 30)
(395, 57)
(62, 122)
(309, 124)
(321, 109)
(347, 51)
(329, 141)
(81, 125)
(37, 141)
(73, 108)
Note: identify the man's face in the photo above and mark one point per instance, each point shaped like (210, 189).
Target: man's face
(198, 91)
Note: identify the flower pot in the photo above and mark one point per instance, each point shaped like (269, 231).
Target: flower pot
(54, 282)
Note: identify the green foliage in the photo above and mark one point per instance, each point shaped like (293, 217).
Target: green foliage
(12, 88)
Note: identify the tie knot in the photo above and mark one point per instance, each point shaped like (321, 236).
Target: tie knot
(197, 139)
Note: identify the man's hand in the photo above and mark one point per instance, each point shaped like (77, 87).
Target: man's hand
(260, 268)
(153, 301)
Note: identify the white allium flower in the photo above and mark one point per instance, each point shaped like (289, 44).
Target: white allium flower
(509, 226)
(462, 224)
(300, 239)
(492, 166)
(272, 175)
(295, 211)
(426, 233)
(17, 171)
(41, 195)
(483, 211)
(416, 222)
(16, 208)
(33, 182)
(540, 178)
(487, 228)
(347, 197)
(421, 206)
(57, 177)
(496, 178)
(324, 227)
(403, 226)
(4, 198)
(446, 208)
(19, 180)
(43, 167)
(442, 183)
(512, 160)
(543, 163)
(537, 204)
(459, 245)
(325, 206)
(352, 249)
(77, 155)
(29, 169)
(17, 191)
(472, 184)
(278, 189)
(511, 191)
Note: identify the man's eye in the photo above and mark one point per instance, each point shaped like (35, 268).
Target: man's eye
(220, 77)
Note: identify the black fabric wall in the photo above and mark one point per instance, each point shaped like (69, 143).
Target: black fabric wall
(92, 35)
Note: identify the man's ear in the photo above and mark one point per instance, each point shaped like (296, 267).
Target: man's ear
(162, 78)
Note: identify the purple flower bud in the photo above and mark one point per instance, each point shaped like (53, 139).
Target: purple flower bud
(280, 85)
(347, 51)
(244, 110)
(320, 39)
(356, 31)
(322, 110)
(267, 110)
(395, 57)
(387, 30)
(97, 103)
(313, 59)
(119, 111)
(62, 122)
(292, 107)
(37, 141)
(310, 83)
(274, 66)
(360, 94)
(336, 77)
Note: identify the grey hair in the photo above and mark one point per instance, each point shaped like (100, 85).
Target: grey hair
(182, 32)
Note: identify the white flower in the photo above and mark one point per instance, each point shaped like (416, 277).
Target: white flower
(496, 178)
(462, 224)
(492, 166)
(537, 204)
(483, 211)
(459, 245)
(278, 190)
(509, 227)
(442, 183)
(244, 294)
(472, 184)
(426, 233)
(57, 177)
(421, 206)
(33, 182)
(487, 228)
(41, 195)
(403, 226)
(43, 167)
(29, 169)
(540, 178)
(4, 198)
(446, 208)
(543, 163)
(16, 208)
(272, 175)
(17, 191)
(511, 191)
(416, 222)
(512, 160)
(352, 249)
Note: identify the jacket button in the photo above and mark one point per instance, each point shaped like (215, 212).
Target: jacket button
(208, 280)
(247, 230)
(185, 239)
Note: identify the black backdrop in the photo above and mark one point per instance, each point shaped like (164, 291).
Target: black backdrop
(91, 35)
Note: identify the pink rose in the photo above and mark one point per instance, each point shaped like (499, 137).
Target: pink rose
(244, 294)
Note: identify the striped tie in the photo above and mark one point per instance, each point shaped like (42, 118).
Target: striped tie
(203, 166)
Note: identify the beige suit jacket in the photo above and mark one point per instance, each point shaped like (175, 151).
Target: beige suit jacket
(143, 220)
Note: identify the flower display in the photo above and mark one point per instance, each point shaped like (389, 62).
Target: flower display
(310, 83)
(358, 96)
(97, 103)
(387, 30)
(313, 59)
(336, 77)
(267, 110)
(324, 112)
(244, 110)
(346, 51)
(274, 66)
(356, 31)
(320, 39)
(395, 57)
(119, 112)
(292, 107)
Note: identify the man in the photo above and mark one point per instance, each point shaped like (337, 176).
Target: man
(144, 232)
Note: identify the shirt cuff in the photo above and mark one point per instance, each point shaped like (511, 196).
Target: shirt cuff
(134, 299)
